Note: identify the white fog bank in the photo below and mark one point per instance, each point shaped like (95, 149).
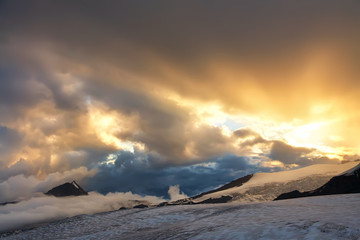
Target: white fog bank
(47, 208)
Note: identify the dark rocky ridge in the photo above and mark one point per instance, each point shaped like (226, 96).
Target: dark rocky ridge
(348, 182)
(67, 189)
(223, 199)
(236, 183)
(187, 201)
(141, 206)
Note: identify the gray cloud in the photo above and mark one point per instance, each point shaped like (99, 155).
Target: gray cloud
(251, 137)
(20, 167)
(289, 154)
(57, 57)
(234, 163)
(9, 140)
(136, 173)
(268, 40)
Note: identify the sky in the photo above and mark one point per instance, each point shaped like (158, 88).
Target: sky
(173, 98)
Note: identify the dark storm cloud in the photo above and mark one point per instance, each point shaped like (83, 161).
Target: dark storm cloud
(14, 91)
(132, 172)
(26, 81)
(172, 43)
(233, 162)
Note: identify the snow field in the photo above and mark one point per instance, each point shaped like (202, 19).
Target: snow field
(325, 217)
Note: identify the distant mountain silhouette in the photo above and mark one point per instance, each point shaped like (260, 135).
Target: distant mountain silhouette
(67, 189)
(348, 182)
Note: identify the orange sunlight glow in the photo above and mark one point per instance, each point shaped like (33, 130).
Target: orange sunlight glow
(108, 125)
(324, 133)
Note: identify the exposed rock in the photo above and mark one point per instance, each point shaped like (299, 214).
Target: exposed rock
(236, 183)
(67, 189)
(222, 199)
(292, 194)
(141, 206)
(162, 204)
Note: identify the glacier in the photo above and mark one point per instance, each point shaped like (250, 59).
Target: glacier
(267, 186)
(323, 217)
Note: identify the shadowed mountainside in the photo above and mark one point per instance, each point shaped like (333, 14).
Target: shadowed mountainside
(348, 182)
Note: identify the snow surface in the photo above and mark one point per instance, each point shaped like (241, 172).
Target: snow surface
(49, 208)
(323, 217)
(75, 185)
(351, 171)
(267, 186)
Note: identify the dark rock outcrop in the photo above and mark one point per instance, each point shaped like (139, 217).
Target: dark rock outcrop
(163, 204)
(6, 203)
(236, 183)
(141, 206)
(67, 189)
(288, 195)
(348, 182)
(185, 201)
(222, 199)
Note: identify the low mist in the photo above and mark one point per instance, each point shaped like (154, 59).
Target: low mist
(47, 208)
(175, 194)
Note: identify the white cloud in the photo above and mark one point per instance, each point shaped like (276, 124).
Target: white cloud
(175, 194)
(48, 208)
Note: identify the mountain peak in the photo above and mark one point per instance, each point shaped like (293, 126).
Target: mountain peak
(75, 184)
(67, 189)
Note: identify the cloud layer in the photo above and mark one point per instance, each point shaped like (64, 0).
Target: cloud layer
(136, 96)
(43, 209)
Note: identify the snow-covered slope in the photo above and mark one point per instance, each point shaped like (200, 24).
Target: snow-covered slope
(345, 183)
(325, 217)
(267, 186)
(352, 171)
